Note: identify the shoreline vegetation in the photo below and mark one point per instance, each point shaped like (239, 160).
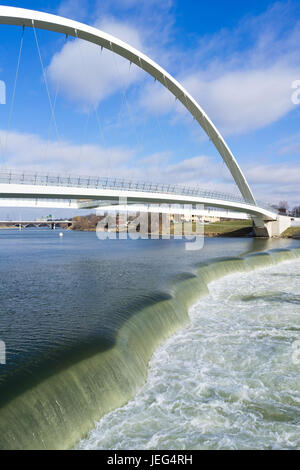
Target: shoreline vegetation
(223, 228)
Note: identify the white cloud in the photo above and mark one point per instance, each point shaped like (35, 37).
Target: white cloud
(238, 102)
(29, 151)
(243, 85)
(270, 183)
(274, 182)
(241, 89)
(242, 101)
(274, 175)
(87, 75)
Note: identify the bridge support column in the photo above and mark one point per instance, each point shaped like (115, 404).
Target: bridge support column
(272, 228)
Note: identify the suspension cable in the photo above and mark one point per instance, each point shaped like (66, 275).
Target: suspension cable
(163, 134)
(98, 120)
(102, 135)
(85, 127)
(46, 81)
(45, 151)
(13, 96)
(84, 132)
(125, 100)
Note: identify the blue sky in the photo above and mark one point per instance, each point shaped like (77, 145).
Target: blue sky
(238, 59)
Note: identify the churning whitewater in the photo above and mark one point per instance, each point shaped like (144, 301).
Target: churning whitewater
(230, 380)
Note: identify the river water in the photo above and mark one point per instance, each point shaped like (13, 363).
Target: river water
(81, 318)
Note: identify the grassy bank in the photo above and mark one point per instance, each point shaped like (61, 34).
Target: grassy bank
(227, 228)
(291, 232)
(232, 228)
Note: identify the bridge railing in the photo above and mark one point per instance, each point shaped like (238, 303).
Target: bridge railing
(39, 179)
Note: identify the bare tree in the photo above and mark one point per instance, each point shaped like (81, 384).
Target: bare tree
(283, 207)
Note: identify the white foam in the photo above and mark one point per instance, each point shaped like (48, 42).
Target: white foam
(227, 381)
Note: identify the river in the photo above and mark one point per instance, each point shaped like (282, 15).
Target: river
(81, 318)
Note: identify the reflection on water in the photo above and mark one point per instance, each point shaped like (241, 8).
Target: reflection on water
(59, 296)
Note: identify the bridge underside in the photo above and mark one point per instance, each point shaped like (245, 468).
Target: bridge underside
(263, 225)
(88, 197)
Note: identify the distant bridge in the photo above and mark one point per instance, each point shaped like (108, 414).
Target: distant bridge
(53, 224)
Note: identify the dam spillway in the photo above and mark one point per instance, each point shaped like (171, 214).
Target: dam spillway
(86, 342)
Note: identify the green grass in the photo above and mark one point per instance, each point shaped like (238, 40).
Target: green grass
(290, 232)
(235, 227)
(227, 226)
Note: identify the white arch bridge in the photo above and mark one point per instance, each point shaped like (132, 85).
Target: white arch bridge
(40, 190)
(90, 193)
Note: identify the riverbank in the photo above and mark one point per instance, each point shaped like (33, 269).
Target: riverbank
(226, 228)
(292, 232)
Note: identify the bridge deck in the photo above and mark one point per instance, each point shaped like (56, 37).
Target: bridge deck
(24, 185)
